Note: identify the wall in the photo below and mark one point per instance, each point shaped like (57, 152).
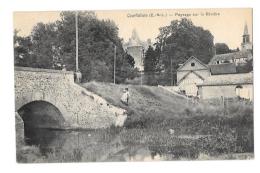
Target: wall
(79, 107)
(228, 91)
(189, 84)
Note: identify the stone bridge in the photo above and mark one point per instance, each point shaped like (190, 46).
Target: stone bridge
(50, 98)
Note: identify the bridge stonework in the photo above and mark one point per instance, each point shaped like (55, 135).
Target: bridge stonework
(79, 107)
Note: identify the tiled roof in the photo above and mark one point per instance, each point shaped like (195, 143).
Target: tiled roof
(229, 79)
(231, 56)
(228, 68)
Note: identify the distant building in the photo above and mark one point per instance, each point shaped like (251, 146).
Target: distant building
(136, 48)
(228, 86)
(246, 44)
(239, 57)
(190, 74)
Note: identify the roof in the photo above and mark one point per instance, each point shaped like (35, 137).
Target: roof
(228, 68)
(231, 56)
(192, 57)
(188, 74)
(134, 41)
(228, 79)
(245, 29)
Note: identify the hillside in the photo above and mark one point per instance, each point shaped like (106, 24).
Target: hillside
(159, 118)
(145, 102)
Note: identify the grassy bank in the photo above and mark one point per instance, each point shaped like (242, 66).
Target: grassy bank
(225, 127)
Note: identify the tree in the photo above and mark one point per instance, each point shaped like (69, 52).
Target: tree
(150, 65)
(222, 48)
(180, 40)
(53, 45)
(130, 60)
(45, 45)
(22, 50)
(97, 39)
(245, 68)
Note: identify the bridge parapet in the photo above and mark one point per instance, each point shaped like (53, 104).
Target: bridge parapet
(44, 73)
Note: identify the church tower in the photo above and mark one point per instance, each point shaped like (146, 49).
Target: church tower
(246, 44)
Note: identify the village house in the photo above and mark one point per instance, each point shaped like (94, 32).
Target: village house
(239, 57)
(220, 78)
(228, 86)
(190, 74)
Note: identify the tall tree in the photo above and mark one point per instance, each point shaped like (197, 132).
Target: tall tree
(150, 65)
(45, 45)
(97, 39)
(180, 40)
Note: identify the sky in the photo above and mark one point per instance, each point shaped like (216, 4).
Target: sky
(226, 25)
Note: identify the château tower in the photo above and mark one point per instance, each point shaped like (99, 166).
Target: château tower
(135, 48)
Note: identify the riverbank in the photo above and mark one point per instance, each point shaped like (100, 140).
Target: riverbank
(155, 113)
(159, 126)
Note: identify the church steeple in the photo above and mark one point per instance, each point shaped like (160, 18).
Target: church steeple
(246, 44)
(246, 36)
(245, 29)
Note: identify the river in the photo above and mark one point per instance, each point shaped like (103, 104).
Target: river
(92, 146)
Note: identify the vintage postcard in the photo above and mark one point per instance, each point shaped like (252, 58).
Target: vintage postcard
(133, 85)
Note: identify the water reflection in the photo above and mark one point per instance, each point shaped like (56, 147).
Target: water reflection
(96, 145)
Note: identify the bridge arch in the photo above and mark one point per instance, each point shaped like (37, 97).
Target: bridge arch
(41, 114)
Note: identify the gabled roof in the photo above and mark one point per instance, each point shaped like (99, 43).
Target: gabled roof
(228, 79)
(188, 74)
(192, 57)
(228, 68)
(231, 56)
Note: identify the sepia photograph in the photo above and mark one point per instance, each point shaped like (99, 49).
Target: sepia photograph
(133, 85)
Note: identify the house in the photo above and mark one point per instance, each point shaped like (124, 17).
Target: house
(237, 58)
(221, 77)
(225, 79)
(227, 85)
(190, 74)
(217, 69)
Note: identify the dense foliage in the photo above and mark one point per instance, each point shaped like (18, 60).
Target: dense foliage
(151, 68)
(52, 45)
(222, 48)
(176, 43)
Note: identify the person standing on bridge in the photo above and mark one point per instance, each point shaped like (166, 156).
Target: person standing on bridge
(77, 76)
(125, 97)
(63, 68)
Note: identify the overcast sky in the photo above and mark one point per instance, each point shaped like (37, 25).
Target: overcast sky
(226, 25)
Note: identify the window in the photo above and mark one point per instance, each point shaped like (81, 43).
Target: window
(226, 61)
(238, 90)
(192, 64)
